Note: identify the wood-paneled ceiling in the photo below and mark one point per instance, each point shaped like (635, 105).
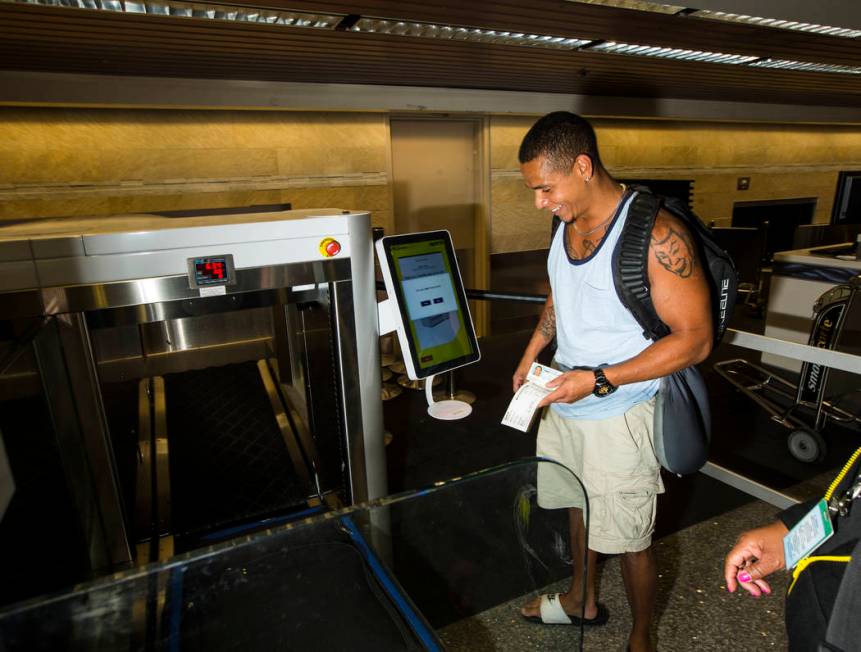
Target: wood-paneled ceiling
(59, 39)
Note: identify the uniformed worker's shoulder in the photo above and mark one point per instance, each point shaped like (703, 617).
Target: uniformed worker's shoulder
(672, 245)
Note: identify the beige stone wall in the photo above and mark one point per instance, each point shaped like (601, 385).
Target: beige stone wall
(57, 162)
(782, 162)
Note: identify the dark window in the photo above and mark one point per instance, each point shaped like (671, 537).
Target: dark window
(678, 188)
(847, 199)
(783, 217)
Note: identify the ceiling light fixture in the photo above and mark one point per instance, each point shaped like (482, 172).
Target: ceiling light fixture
(177, 8)
(805, 66)
(778, 23)
(245, 14)
(680, 54)
(472, 34)
(636, 5)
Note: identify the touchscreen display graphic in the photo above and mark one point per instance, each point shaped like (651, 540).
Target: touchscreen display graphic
(437, 320)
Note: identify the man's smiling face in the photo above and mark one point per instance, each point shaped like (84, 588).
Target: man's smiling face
(554, 191)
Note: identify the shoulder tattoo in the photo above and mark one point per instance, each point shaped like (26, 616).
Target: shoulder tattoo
(547, 325)
(674, 250)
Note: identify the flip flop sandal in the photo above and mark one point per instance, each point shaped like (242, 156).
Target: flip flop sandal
(552, 613)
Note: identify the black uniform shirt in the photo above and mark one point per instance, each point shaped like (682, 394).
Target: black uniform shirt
(809, 604)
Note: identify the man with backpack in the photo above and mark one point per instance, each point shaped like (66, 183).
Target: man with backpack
(599, 422)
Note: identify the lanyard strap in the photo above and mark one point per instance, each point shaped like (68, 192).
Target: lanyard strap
(832, 488)
(804, 563)
(834, 507)
(839, 505)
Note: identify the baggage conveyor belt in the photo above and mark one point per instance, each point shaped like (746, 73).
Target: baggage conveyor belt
(230, 461)
(316, 587)
(326, 590)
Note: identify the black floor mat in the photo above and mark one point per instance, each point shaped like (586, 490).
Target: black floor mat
(228, 461)
(318, 593)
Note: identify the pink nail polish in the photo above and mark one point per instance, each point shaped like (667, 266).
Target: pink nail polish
(744, 576)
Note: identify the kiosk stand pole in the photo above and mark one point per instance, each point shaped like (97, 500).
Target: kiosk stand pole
(447, 410)
(451, 391)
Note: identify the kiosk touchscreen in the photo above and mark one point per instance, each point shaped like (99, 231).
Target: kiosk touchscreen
(428, 302)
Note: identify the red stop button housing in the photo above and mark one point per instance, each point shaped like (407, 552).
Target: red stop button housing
(330, 247)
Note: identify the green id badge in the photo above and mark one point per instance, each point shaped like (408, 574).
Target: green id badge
(808, 534)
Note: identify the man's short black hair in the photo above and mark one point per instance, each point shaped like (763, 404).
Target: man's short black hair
(560, 137)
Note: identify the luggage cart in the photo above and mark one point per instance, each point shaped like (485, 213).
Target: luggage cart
(784, 400)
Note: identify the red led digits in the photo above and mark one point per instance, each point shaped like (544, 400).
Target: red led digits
(212, 270)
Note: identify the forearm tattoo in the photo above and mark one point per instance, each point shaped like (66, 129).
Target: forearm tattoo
(547, 325)
(675, 252)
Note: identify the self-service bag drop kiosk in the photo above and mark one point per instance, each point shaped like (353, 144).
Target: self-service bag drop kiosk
(187, 376)
(428, 310)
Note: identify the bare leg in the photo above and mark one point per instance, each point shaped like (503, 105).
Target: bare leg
(571, 600)
(639, 574)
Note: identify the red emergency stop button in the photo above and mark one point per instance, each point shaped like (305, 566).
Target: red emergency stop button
(330, 247)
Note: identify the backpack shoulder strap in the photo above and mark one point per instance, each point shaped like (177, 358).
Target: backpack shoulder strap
(630, 268)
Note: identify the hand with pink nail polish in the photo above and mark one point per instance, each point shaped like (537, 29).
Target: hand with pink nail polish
(756, 554)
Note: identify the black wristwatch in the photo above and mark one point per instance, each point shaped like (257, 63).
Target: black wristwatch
(603, 387)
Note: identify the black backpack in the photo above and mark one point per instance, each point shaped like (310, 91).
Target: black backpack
(682, 414)
(630, 264)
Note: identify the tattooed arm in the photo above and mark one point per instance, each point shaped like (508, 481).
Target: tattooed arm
(543, 335)
(681, 297)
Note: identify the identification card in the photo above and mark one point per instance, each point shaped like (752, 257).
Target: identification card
(541, 374)
(525, 402)
(808, 534)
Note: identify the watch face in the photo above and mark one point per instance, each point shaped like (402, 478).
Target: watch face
(603, 387)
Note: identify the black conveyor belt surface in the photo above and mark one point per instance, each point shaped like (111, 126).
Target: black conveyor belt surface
(228, 461)
(311, 591)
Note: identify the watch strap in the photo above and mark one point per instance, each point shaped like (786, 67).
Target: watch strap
(603, 387)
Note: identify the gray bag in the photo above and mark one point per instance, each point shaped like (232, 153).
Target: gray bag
(682, 422)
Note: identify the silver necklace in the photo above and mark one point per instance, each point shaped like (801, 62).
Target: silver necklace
(583, 234)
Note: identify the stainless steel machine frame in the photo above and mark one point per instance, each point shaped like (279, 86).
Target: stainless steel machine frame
(58, 274)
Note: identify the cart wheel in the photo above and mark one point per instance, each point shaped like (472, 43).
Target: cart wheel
(806, 445)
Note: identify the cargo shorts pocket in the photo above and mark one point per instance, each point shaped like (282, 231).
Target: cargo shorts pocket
(635, 513)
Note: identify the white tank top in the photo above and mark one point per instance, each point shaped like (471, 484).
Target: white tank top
(593, 328)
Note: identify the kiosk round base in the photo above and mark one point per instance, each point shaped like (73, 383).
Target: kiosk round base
(449, 410)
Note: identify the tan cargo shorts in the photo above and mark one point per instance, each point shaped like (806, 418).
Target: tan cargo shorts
(615, 460)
